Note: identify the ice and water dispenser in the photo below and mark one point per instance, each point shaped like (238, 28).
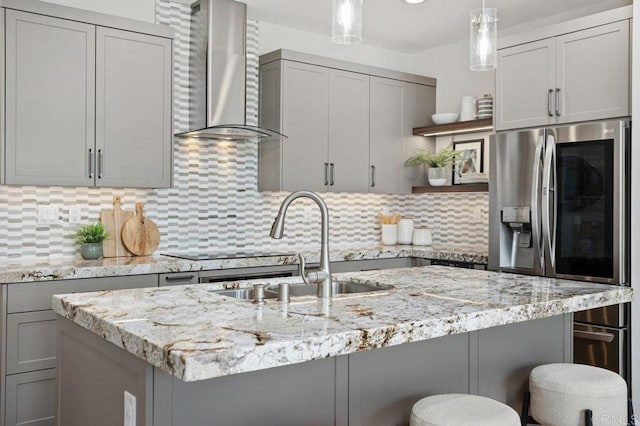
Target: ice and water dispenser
(516, 240)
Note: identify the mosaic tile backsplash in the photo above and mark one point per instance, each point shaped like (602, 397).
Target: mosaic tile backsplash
(214, 204)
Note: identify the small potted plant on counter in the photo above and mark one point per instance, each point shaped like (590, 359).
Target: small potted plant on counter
(90, 238)
(437, 164)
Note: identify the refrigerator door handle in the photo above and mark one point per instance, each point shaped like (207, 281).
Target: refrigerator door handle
(547, 191)
(535, 200)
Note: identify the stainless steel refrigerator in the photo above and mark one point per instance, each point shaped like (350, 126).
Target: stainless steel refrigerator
(559, 206)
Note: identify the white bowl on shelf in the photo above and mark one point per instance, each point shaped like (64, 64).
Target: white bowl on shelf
(445, 118)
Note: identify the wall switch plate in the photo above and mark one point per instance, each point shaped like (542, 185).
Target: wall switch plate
(48, 215)
(75, 214)
(129, 409)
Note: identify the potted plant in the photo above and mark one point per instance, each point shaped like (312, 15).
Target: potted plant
(436, 162)
(90, 238)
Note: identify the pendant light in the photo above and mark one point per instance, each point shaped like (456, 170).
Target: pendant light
(346, 25)
(484, 39)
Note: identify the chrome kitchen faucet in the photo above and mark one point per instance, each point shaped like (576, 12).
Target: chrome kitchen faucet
(321, 276)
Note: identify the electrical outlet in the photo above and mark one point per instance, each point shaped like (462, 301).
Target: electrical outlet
(129, 409)
(75, 214)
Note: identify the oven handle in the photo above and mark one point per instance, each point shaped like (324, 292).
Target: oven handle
(595, 336)
(549, 167)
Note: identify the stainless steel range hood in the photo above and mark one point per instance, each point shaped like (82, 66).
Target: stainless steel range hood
(217, 73)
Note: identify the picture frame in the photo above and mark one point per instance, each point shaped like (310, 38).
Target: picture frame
(470, 162)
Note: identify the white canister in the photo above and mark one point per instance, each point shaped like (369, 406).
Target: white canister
(422, 237)
(468, 108)
(389, 234)
(405, 230)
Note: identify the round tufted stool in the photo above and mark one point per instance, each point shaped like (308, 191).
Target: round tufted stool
(457, 409)
(561, 394)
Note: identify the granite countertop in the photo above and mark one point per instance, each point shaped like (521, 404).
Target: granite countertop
(29, 271)
(195, 334)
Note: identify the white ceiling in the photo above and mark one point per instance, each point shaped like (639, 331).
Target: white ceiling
(403, 27)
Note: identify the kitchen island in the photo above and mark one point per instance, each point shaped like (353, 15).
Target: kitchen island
(191, 356)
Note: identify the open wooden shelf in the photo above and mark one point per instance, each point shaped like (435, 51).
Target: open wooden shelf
(484, 125)
(467, 187)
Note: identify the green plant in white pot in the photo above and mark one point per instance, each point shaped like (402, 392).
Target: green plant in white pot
(90, 238)
(437, 163)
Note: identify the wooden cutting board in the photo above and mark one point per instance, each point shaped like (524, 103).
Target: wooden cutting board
(113, 220)
(140, 234)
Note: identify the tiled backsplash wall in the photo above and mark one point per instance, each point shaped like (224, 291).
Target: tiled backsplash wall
(214, 204)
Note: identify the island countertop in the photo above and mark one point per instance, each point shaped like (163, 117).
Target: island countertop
(195, 334)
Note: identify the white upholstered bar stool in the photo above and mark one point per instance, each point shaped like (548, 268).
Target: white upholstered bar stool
(456, 409)
(575, 394)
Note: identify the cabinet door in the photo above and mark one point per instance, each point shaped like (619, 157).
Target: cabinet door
(524, 78)
(31, 341)
(31, 399)
(348, 131)
(305, 119)
(387, 105)
(593, 73)
(50, 100)
(419, 105)
(133, 109)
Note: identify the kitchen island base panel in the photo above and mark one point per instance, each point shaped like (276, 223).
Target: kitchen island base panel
(373, 387)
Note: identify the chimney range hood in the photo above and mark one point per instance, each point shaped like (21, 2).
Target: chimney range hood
(217, 73)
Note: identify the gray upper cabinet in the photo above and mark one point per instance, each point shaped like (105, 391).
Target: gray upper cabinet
(133, 109)
(86, 104)
(348, 125)
(525, 79)
(305, 112)
(593, 73)
(579, 76)
(387, 128)
(50, 84)
(348, 131)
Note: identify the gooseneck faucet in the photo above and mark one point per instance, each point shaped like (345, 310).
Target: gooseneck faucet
(321, 276)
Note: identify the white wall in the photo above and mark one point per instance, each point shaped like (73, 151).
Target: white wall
(635, 210)
(142, 10)
(274, 37)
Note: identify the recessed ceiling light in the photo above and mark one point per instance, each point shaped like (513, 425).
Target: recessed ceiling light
(413, 1)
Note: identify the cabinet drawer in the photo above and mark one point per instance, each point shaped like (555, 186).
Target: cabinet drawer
(31, 399)
(31, 341)
(178, 278)
(36, 296)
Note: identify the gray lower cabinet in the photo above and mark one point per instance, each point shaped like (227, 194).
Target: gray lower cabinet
(29, 363)
(31, 399)
(86, 104)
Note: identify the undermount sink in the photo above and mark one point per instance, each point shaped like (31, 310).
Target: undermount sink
(301, 289)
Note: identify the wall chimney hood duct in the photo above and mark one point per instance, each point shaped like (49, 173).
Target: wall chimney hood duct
(217, 73)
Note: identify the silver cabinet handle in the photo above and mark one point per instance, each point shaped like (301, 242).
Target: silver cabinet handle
(100, 163)
(332, 174)
(90, 163)
(592, 335)
(549, 102)
(179, 278)
(373, 176)
(558, 102)
(326, 174)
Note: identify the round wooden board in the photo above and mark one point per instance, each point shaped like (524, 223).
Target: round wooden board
(140, 235)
